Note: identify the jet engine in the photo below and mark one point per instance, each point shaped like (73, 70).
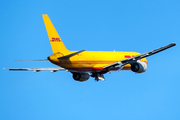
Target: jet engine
(81, 77)
(139, 66)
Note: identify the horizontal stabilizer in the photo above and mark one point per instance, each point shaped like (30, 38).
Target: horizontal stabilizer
(34, 60)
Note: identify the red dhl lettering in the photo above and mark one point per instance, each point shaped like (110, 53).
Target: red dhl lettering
(127, 56)
(55, 40)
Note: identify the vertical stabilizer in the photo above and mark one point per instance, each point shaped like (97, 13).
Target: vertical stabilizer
(55, 40)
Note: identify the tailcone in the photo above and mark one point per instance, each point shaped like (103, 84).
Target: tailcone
(48, 58)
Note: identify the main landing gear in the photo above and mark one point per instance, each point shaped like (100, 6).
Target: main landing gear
(98, 76)
(81, 77)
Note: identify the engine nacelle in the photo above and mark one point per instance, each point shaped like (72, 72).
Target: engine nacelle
(139, 66)
(81, 77)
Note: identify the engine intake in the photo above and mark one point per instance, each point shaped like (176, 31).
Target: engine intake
(81, 77)
(139, 67)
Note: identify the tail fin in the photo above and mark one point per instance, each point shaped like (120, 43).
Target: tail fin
(55, 40)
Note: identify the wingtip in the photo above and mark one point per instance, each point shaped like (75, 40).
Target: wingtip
(173, 43)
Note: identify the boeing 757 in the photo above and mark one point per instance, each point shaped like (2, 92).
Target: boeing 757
(83, 64)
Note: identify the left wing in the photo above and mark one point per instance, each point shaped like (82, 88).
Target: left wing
(36, 69)
(138, 57)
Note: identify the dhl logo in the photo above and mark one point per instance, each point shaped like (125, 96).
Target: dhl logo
(55, 40)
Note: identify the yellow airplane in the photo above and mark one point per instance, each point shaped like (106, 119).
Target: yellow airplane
(83, 64)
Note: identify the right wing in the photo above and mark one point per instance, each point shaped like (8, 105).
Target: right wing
(138, 57)
(36, 69)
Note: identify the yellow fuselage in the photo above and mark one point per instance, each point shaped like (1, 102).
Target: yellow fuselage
(89, 61)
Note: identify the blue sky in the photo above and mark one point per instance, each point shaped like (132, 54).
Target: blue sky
(96, 26)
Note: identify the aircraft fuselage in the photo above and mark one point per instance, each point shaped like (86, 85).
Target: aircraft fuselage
(92, 61)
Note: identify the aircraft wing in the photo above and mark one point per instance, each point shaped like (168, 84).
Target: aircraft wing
(36, 69)
(138, 57)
